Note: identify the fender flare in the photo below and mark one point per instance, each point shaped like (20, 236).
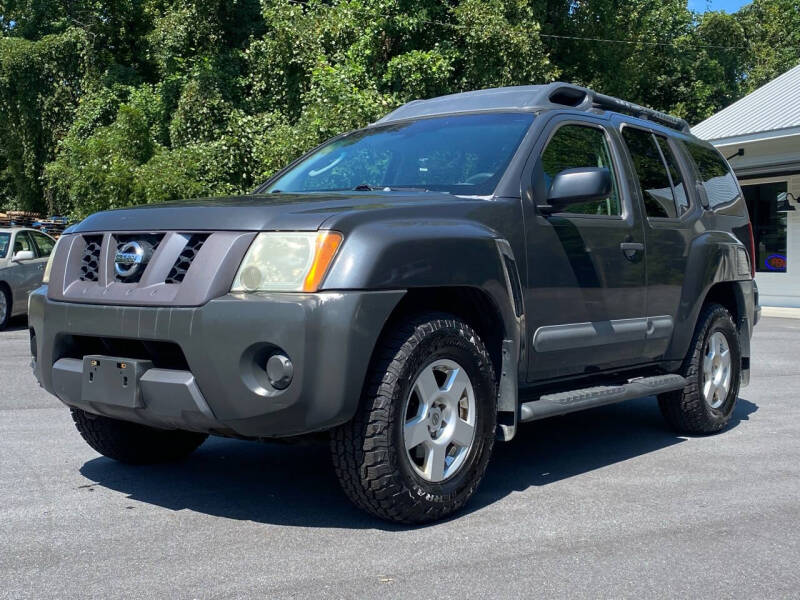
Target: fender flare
(405, 254)
(714, 257)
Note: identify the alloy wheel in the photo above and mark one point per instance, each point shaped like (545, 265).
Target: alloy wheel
(440, 414)
(716, 370)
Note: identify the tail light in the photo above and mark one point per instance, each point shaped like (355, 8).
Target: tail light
(752, 250)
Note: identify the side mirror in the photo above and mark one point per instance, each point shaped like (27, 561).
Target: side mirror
(573, 186)
(23, 255)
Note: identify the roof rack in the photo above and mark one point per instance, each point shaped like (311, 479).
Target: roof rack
(564, 91)
(553, 95)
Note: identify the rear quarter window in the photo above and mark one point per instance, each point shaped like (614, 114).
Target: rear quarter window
(715, 175)
(5, 239)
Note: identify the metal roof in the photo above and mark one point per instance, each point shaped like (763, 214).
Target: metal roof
(529, 97)
(772, 107)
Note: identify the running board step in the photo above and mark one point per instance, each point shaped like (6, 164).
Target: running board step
(551, 405)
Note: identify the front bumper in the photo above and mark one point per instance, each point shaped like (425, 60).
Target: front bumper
(328, 336)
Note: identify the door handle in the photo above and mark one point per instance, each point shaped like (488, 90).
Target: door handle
(629, 249)
(631, 246)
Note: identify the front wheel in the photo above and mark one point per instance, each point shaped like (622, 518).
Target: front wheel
(133, 443)
(713, 371)
(420, 443)
(5, 306)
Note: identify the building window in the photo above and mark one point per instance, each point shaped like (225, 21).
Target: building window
(769, 225)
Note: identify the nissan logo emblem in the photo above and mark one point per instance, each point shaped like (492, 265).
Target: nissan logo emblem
(130, 256)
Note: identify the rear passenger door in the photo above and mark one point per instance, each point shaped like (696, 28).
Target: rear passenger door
(586, 283)
(661, 173)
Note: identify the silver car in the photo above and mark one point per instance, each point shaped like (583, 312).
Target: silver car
(23, 257)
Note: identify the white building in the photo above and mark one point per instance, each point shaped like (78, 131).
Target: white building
(765, 126)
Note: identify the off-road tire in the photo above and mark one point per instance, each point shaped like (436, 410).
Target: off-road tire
(369, 452)
(133, 443)
(686, 410)
(7, 294)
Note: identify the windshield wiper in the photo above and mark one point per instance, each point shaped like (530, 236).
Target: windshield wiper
(405, 188)
(365, 187)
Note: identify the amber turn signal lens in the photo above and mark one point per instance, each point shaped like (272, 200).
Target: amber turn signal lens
(327, 244)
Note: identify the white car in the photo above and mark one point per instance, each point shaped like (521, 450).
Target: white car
(23, 257)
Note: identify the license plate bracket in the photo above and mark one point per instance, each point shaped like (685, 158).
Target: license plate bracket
(113, 380)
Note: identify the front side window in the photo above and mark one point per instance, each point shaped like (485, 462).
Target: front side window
(5, 241)
(462, 154)
(43, 243)
(654, 180)
(576, 146)
(717, 178)
(22, 243)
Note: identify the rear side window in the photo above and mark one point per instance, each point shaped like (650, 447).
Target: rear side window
(5, 240)
(574, 146)
(654, 178)
(715, 174)
(678, 185)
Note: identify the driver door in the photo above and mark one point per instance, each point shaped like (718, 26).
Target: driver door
(586, 273)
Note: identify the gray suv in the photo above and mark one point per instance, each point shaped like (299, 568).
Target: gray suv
(417, 289)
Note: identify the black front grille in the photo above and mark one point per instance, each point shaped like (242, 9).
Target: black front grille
(90, 261)
(163, 355)
(148, 242)
(186, 257)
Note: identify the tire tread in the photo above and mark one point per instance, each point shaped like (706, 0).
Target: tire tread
(360, 449)
(133, 443)
(686, 410)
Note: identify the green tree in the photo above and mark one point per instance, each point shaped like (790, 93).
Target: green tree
(41, 83)
(773, 29)
(115, 102)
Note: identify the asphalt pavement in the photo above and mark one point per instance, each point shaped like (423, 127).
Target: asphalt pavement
(603, 504)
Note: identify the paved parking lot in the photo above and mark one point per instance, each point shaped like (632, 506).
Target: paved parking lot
(607, 503)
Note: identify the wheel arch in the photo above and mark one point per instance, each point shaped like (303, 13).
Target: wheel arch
(471, 304)
(7, 288)
(718, 271)
(489, 316)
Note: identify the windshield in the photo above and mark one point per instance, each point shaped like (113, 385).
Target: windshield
(465, 154)
(5, 239)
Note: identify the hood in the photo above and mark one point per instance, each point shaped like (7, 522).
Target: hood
(262, 212)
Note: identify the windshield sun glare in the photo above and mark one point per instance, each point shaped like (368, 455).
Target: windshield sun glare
(462, 154)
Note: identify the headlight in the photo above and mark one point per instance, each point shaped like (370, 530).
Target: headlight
(287, 262)
(49, 266)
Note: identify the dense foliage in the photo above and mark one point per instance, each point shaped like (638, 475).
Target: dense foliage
(107, 103)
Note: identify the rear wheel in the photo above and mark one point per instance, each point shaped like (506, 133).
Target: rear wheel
(713, 370)
(420, 443)
(133, 443)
